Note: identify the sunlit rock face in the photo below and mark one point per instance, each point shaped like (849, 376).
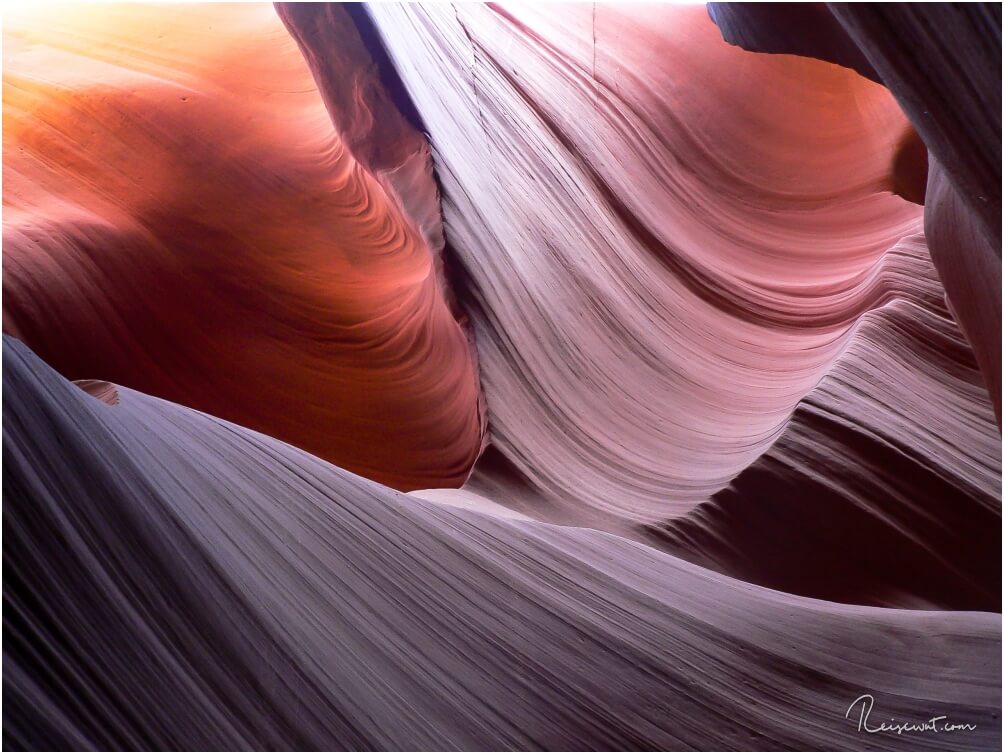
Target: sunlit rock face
(733, 311)
(943, 65)
(666, 261)
(181, 216)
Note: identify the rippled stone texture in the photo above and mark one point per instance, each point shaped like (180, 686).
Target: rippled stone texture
(717, 357)
(232, 592)
(181, 217)
(942, 62)
(665, 262)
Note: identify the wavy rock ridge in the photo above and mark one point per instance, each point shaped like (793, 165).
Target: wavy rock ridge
(633, 251)
(181, 217)
(736, 319)
(695, 262)
(295, 605)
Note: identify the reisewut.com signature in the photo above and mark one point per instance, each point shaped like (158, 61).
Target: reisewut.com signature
(861, 710)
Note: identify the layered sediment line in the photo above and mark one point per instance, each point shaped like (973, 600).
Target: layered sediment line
(233, 592)
(735, 327)
(181, 216)
(942, 62)
(662, 260)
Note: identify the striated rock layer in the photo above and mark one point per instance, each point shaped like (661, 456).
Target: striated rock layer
(181, 217)
(892, 451)
(942, 62)
(743, 466)
(665, 262)
(173, 581)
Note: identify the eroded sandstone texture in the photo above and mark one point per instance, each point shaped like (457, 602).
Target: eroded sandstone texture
(182, 216)
(679, 326)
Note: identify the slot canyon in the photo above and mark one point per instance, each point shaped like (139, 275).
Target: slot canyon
(434, 376)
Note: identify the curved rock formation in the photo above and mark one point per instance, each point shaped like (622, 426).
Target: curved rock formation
(894, 450)
(274, 601)
(735, 328)
(103, 391)
(808, 29)
(684, 258)
(971, 273)
(942, 62)
(181, 218)
(662, 262)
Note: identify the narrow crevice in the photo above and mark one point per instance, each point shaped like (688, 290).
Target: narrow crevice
(386, 70)
(461, 295)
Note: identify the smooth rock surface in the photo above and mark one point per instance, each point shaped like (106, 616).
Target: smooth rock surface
(173, 581)
(182, 217)
(734, 470)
